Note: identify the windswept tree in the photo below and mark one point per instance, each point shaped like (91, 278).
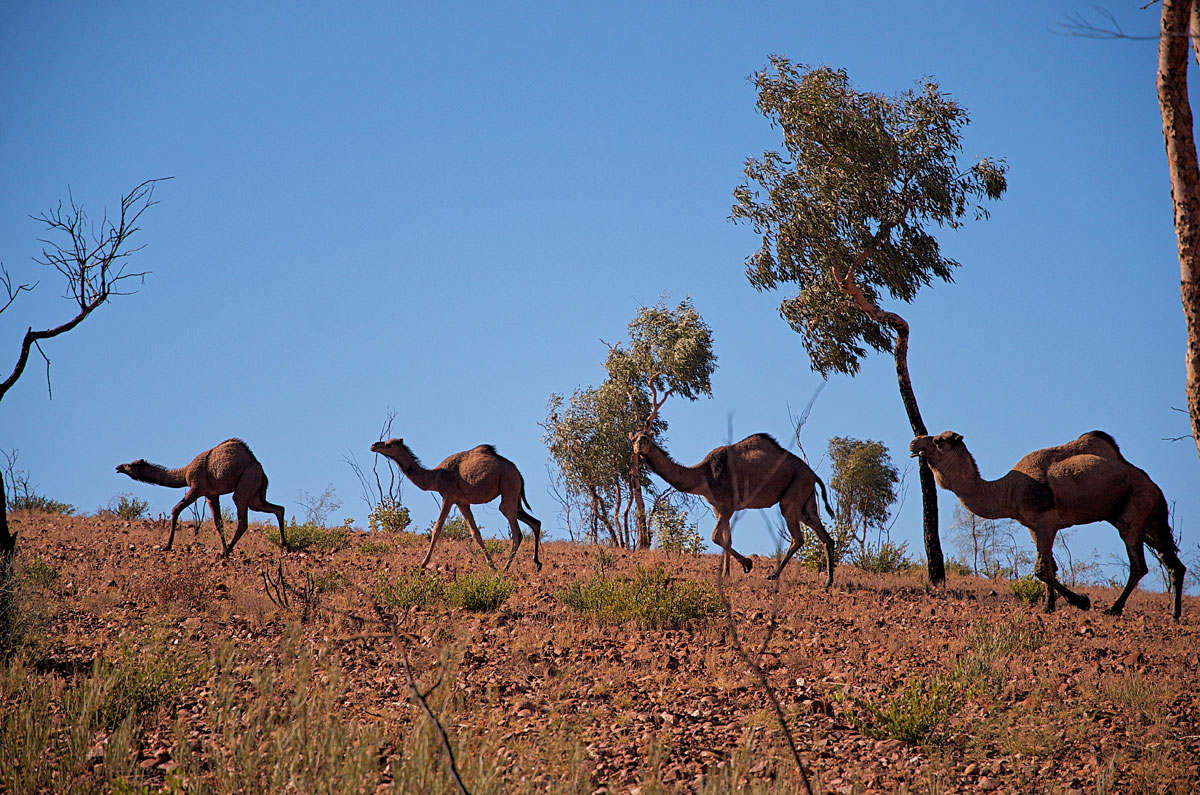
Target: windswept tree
(92, 258)
(845, 213)
(669, 353)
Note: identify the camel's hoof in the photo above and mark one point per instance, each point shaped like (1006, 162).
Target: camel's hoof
(1113, 611)
(774, 576)
(1084, 603)
(747, 564)
(537, 565)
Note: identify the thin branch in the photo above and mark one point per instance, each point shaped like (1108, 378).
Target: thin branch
(752, 664)
(1078, 25)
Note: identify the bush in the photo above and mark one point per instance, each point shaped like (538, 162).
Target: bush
(389, 516)
(40, 504)
(414, 589)
(480, 593)
(41, 573)
(1028, 589)
(812, 553)
(911, 716)
(455, 528)
(494, 547)
(126, 506)
(957, 567)
(887, 558)
(652, 599)
(674, 533)
(17, 616)
(312, 536)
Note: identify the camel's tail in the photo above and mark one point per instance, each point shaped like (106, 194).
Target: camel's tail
(262, 491)
(524, 501)
(824, 498)
(1161, 522)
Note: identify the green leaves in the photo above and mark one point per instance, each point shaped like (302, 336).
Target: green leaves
(859, 180)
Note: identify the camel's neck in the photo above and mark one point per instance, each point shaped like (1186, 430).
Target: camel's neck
(984, 498)
(690, 480)
(161, 476)
(424, 479)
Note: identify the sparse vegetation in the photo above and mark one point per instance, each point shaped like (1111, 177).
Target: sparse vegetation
(409, 589)
(912, 715)
(1028, 589)
(884, 559)
(674, 533)
(480, 593)
(40, 573)
(389, 516)
(652, 599)
(312, 536)
(126, 506)
(36, 503)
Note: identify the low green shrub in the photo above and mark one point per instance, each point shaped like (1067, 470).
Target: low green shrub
(480, 593)
(312, 536)
(887, 558)
(41, 573)
(389, 516)
(912, 715)
(455, 528)
(980, 667)
(669, 525)
(1028, 589)
(39, 504)
(126, 506)
(652, 599)
(409, 589)
(494, 547)
(959, 568)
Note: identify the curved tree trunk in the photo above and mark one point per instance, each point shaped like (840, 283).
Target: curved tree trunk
(8, 541)
(933, 543)
(935, 562)
(1177, 17)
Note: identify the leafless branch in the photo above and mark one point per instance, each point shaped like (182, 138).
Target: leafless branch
(760, 675)
(6, 280)
(92, 259)
(1080, 26)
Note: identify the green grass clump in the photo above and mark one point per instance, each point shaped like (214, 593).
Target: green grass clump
(958, 567)
(126, 506)
(887, 558)
(1028, 589)
(912, 715)
(409, 589)
(981, 665)
(311, 536)
(480, 593)
(41, 573)
(39, 504)
(494, 547)
(652, 599)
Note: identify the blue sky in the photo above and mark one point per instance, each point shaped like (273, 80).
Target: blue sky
(447, 208)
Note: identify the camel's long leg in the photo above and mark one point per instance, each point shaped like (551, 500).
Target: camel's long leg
(214, 505)
(1045, 571)
(437, 531)
(465, 510)
(723, 536)
(243, 518)
(809, 514)
(1137, 570)
(510, 510)
(535, 527)
(1160, 541)
(192, 495)
(259, 503)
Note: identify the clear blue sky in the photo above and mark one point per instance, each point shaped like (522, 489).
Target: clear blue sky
(445, 208)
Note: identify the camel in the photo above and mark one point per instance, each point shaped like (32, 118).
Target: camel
(753, 473)
(1086, 480)
(229, 467)
(471, 477)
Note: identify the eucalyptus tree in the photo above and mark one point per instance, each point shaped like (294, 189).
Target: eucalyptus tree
(669, 353)
(588, 439)
(864, 484)
(845, 213)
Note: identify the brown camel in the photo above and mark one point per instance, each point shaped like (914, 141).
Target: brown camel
(1087, 480)
(471, 477)
(229, 467)
(753, 473)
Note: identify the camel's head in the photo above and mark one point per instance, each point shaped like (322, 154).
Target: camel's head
(932, 448)
(132, 467)
(641, 440)
(389, 447)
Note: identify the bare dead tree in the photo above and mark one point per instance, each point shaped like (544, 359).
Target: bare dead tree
(93, 259)
(390, 494)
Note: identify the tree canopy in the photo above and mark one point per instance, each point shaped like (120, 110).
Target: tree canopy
(845, 208)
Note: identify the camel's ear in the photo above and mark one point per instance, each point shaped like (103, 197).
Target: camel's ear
(956, 438)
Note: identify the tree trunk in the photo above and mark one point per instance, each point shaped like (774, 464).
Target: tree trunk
(936, 564)
(933, 543)
(8, 541)
(1177, 16)
(643, 525)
